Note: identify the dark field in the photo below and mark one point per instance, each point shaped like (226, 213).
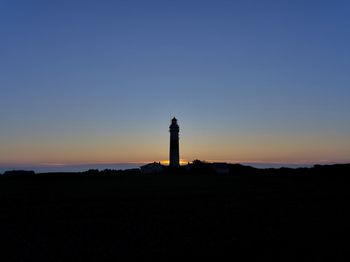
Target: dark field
(284, 215)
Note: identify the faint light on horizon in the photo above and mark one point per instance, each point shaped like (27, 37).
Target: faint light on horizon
(182, 162)
(52, 164)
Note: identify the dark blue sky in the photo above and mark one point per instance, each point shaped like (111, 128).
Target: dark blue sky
(97, 81)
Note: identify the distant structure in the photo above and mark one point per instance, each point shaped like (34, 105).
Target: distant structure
(174, 144)
(152, 168)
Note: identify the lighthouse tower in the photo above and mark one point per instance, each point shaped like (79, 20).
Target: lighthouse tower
(174, 143)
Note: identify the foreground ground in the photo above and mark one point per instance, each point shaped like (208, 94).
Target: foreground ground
(276, 215)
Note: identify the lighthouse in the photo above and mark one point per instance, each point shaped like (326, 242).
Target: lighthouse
(174, 143)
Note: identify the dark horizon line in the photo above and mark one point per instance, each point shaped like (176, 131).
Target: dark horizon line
(95, 166)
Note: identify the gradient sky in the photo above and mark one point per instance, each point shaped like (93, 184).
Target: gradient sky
(249, 81)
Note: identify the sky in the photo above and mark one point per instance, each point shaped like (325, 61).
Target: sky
(86, 82)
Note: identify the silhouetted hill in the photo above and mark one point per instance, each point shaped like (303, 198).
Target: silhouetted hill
(248, 213)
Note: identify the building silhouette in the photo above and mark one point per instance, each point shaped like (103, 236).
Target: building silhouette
(152, 168)
(174, 159)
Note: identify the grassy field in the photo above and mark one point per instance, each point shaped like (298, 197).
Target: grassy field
(285, 215)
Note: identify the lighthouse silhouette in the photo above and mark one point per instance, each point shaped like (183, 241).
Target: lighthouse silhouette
(174, 143)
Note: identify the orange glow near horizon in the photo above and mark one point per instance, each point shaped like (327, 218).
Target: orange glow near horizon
(166, 162)
(150, 147)
(182, 162)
